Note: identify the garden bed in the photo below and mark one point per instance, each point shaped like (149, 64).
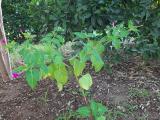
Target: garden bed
(131, 92)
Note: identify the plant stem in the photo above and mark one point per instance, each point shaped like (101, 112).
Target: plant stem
(86, 100)
(83, 93)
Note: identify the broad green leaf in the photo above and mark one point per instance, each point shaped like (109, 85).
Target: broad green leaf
(97, 109)
(89, 47)
(58, 59)
(116, 43)
(94, 108)
(101, 108)
(99, 48)
(32, 77)
(44, 68)
(61, 74)
(83, 111)
(97, 61)
(78, 66)
(44, 71)
(85, 81)
(101, 118)
(83, 56)
(51, 70)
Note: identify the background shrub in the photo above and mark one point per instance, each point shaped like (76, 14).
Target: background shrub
(40, 17)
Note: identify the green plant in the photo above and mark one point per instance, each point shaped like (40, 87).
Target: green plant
(135, 92)
(55, 37)
(94, 109)
(46, 59)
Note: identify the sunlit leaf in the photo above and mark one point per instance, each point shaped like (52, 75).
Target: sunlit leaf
(85, 81)
(61, 74)
(97, 61)
(78, 66)
(101, 118)
(83, 111)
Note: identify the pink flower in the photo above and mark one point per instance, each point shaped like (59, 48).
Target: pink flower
(16, 75)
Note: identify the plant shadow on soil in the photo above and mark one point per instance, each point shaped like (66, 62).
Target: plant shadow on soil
(132, 89)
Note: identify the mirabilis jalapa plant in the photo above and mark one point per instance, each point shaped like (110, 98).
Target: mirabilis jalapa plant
(46, 60)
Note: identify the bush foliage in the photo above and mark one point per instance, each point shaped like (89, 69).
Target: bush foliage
(41, 16)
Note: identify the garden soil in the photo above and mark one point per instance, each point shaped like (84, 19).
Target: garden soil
(19, 102)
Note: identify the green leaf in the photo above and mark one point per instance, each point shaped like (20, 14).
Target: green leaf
(99, 48)
(20, 68)
(84, 35)
(116, 43)
(78, 66)
(58, 59)
(89, 47)
(44, 70)
(101, 108)
(97, 61)
(132, 27)
(94, 108)
(32, 76)
(101, 118)
(61, 74)
(51, 70)
(97, 109)
(123, 33)
(83, 56)
(85, 81)
(83, 111)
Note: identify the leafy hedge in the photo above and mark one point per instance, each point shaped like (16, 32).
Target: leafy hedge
(41, 16)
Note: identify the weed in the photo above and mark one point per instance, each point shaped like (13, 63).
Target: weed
(140, 93)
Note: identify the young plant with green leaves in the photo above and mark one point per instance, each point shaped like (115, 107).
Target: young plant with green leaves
(46, 60)
(94, 109)
(43, 60)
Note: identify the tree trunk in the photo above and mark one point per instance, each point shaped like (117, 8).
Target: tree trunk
(5, 67)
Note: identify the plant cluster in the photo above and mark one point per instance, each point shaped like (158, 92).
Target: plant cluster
(46, 60)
